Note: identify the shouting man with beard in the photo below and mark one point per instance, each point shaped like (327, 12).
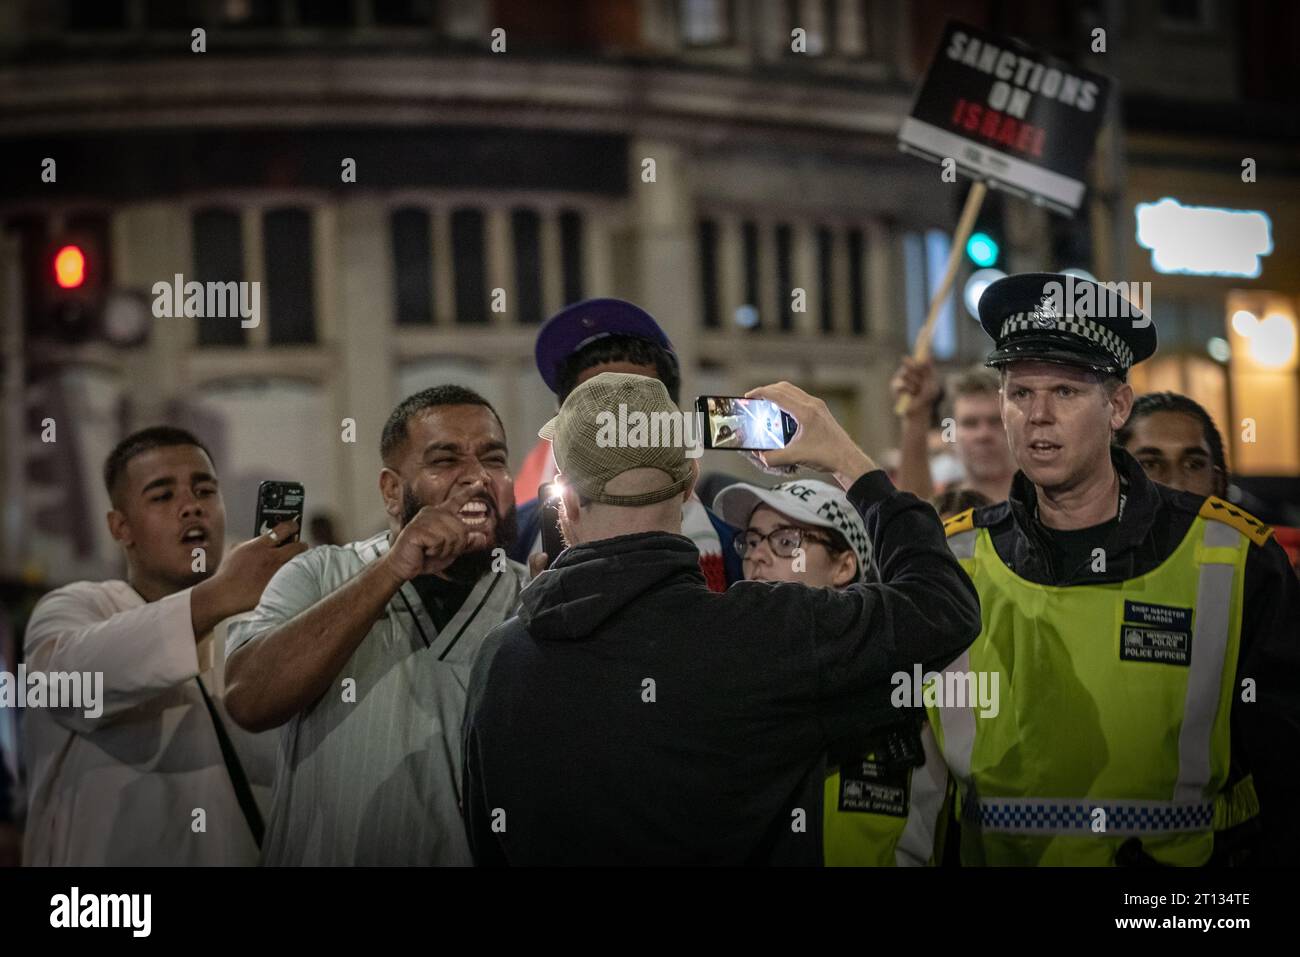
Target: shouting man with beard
(363, 651)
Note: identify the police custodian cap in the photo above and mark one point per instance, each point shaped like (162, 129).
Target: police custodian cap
(1055, 317)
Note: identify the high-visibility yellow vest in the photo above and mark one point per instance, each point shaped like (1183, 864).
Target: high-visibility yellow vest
(875, 816)
(1114, 705)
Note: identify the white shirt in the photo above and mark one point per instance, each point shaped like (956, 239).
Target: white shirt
(123, 788)
(370, 773)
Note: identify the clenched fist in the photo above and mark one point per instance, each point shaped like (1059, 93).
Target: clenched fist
(917, 379)
(435, 538)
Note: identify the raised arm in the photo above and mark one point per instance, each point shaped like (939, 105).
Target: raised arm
(923, 611)
(299, 641)
(144, 651)
(918, 380)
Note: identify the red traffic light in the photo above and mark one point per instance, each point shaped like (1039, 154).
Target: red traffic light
(70, 267)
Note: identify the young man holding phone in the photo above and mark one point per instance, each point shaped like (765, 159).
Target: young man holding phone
(123, 787)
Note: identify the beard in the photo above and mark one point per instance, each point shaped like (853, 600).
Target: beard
(470, 566)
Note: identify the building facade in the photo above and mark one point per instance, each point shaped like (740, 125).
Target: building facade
(416, 185)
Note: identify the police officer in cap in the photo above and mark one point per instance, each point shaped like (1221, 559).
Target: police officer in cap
(1144, 641)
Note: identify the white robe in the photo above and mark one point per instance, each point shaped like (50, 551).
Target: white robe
(124, 788)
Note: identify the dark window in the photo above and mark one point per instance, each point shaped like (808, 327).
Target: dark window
(250, 14)
(749, 237)
(817, 19)
(402, 13)
(468, 265)
(175, 14)
(96, 15)
(289, 298)
(571, 252)
(705, 22)
(709, 273)
(825, 279)
(785, 276)
(857, 288)
(219, 257)
(588, 25)
(527, 228)
(325, 13)
(1187, 11)
(412, 266)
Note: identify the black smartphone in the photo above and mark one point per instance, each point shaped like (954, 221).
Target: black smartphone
(278, 502)
(744, 425)
(549, 501)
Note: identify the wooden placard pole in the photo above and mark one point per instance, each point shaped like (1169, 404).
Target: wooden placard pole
(974, 200)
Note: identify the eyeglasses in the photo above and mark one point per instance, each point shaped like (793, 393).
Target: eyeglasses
(783, 540)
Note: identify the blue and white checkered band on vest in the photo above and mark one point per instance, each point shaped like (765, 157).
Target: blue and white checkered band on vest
(1084, 328)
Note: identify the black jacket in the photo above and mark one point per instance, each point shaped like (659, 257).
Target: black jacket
(628, 715)
(1266, 732)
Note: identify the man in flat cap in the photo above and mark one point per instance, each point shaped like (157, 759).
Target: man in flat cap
(629, 715)
(1144, 639)
(612, 335)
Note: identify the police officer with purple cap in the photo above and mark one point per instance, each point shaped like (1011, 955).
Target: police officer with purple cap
(613, 335)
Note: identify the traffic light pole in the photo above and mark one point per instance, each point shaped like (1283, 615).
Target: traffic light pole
(921, 352)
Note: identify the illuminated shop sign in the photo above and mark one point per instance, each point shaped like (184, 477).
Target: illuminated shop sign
(1204, 240)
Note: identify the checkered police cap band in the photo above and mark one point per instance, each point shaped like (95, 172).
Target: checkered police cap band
(1087, 329)
(845, 520)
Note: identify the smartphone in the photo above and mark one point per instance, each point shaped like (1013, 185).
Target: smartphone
(745, 425)
(549, 501)
(278, 502)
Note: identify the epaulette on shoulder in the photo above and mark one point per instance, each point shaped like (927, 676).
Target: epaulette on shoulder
(961, 522)
(1217, 510)
(985, 516)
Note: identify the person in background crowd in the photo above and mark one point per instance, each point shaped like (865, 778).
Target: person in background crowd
(879, 810)
(979, 438)
(362, 652)
(630, 715)
(122, 788)
(1176, 443)
(611, 335)
(957, 500)
(1144, 639)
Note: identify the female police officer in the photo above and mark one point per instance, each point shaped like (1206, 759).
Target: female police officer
(883, 797)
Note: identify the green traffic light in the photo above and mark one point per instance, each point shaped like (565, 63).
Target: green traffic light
(982, 249)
